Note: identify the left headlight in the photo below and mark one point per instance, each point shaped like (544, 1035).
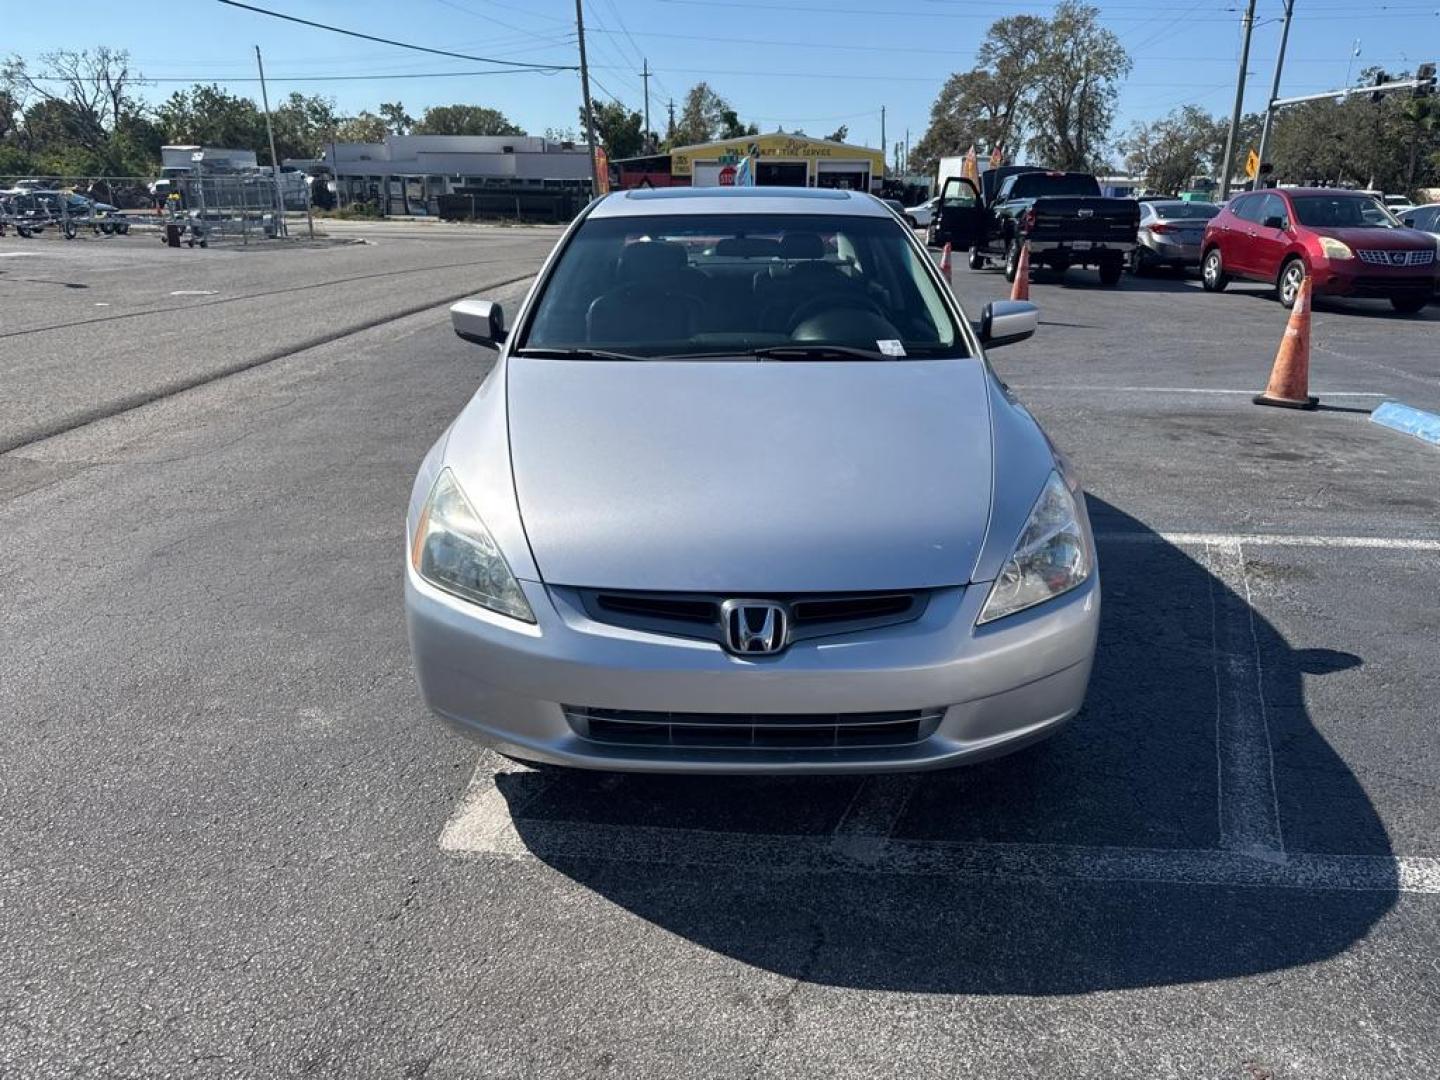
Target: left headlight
(452, 550)
(1050, 557)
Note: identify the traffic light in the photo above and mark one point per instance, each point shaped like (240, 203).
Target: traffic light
(1425, 74)
(1381, 78)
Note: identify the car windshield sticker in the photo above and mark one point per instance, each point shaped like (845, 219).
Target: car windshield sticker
(891, 348)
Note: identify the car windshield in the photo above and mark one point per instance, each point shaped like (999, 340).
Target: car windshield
(812, 286)
(1181, 210)
(1045, 185)
(1343, 212)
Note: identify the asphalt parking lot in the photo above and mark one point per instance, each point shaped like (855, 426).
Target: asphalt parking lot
(235, 845)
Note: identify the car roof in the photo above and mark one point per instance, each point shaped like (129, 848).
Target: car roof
(1314, 191)
(654, 202)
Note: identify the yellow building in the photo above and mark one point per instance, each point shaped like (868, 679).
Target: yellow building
(779, 160)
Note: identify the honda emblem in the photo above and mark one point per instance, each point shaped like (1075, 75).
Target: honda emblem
(755, 627)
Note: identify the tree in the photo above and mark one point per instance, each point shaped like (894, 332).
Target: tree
(839, 134)
(1072, 105)
(91, 89)
(1168, 152)
(619, 129)
(705, 117)
(397, 120)
(206, 115)
(303, 125)
(364, 128)
(464, 120)
(985, 107)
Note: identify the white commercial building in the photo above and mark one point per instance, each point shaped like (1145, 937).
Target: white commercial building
(408, 173)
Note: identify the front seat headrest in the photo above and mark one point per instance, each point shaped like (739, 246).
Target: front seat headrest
(647, 259)
(802, 246)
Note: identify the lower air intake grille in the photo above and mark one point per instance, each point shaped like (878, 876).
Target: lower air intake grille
(753, 731)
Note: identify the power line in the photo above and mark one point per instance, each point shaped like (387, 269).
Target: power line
(827, 10)
(199, 79)
(399, 44)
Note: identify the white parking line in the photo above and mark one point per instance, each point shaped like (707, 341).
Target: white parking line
(484, 819)
(193, 292)
(1249, 811)
(1195, 539)
(483, 827)
(1025, 388)
(871, 817)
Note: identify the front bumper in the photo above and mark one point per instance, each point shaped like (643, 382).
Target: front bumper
(999, 687)
(1360, 280)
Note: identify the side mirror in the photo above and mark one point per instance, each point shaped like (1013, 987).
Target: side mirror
(1273, 222)
(1005, 322)
(479, 321)
(1408, 222)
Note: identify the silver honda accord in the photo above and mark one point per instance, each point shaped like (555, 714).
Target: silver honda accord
(742, 494)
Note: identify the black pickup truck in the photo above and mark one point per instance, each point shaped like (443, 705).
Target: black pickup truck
(1063, 215)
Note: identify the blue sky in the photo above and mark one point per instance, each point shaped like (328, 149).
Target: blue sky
(811, 64)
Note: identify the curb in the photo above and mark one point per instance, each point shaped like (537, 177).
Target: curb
(1409, 421)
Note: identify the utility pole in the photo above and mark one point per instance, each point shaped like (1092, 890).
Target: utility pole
(585, 99)
(280, 229)
(1275, 86)
(882, 143)
(907, 151)
(645, 82)
(1227, 166)
(670, 131)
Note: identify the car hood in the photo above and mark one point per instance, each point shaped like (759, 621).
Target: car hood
(1378, 239)
(738, 476)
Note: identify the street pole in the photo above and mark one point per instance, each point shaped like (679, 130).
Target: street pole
(645, 82)
(882, 144)
(1275, 86)
(585, 97)
(1227, 166)
(280, 229)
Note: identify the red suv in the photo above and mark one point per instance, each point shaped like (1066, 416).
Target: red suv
(1345, 241)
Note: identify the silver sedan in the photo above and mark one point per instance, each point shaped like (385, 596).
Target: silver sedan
(1170, 234)
(742, 494)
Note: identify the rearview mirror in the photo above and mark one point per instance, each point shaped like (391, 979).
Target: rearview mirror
(1274, 222)
(479, 321)
(1005, 322)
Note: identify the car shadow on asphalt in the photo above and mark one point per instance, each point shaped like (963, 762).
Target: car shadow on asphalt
(1339, 305)
(1139, 770)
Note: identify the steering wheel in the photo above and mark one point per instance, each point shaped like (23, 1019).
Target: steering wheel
(826, 303)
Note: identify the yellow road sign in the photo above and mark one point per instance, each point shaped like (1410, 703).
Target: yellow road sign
(1252, 164)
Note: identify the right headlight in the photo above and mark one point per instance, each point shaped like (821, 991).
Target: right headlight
(1335, 249)
(1050, 557)
(452, 550)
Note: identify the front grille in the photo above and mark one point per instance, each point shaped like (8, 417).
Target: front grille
(1395, 258)
(697, 615)
(753, 731)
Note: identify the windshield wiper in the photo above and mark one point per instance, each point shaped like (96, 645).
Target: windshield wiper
(579, 354)
(817, 352)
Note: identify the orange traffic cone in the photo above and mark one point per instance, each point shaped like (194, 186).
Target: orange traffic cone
(1290, 377)
(1020, 290)
(945, 262)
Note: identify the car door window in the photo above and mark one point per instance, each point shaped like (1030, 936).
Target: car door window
(1247, 209)
(958, 193)
(1272, 206)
